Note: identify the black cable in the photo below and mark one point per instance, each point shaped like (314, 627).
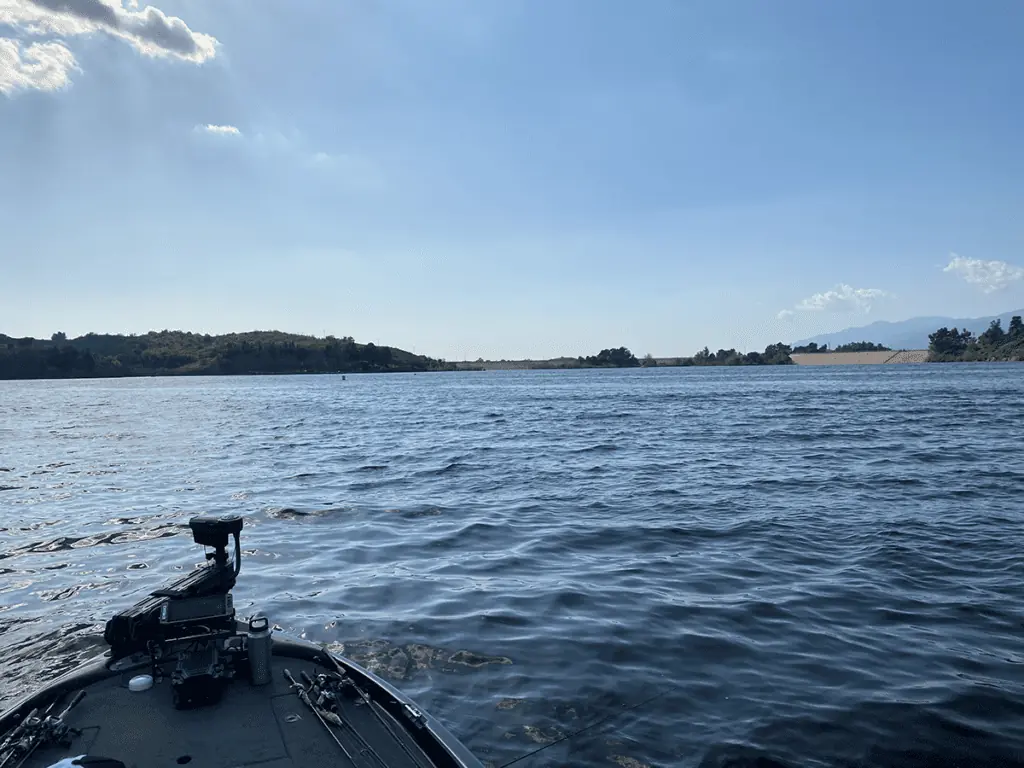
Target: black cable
(603, 720)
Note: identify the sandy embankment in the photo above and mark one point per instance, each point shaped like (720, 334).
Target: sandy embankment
(910, 356)
(862, 358)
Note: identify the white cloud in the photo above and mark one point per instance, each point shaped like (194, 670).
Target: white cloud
(40, 66)
(990, 276)
(219, 130)
(149, 30)
(28, 18)
(844, 298)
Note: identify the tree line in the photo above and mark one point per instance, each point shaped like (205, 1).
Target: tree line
(853, 346)
(995, 343)
(182, 353)
(774, 354)
(621, 357)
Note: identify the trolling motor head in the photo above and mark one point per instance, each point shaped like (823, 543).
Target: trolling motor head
(213, 532)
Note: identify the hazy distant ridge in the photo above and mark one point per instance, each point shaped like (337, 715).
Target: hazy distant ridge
(907, 334)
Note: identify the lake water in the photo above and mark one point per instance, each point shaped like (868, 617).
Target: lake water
(815, 566)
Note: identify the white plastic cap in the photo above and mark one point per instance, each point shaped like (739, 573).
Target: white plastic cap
(140, 683)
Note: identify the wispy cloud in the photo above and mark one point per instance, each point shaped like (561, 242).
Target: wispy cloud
(990, 276)
(842, 298)
(356, 170)
(219, 130)
(39, 66)
(295, 150)
(149, 30)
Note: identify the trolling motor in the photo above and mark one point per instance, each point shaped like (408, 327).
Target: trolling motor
(202, 596)
(192, 619)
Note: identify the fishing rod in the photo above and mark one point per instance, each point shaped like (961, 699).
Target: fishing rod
(304, 697)
(35, 731)
(346, 679)
(29, 721)
(596, 723)
(334, 717)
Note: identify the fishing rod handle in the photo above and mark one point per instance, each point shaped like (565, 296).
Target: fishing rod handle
(72, 704)
(14, 737)
(25, 721)
(303, 696)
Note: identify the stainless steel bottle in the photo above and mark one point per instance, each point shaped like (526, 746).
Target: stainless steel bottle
(259, 650)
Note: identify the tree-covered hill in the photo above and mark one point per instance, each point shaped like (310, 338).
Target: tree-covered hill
(995, 343)
(166, 353)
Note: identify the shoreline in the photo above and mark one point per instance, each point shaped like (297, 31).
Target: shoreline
(888, 357)
(477, 368)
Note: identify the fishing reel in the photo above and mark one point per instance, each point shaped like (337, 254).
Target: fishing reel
(37, 730)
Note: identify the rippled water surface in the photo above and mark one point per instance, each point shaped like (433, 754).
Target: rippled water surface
(817, 566)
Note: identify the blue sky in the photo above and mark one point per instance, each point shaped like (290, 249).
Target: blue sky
(509, 178)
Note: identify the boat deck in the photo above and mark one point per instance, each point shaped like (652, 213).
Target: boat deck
(266, 726)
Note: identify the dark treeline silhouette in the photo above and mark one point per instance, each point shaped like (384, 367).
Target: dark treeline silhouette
(994, 343)
(774, 354)
(853, 346)
(182, 353)
(611, 358)
(809, 349)
(622, 357)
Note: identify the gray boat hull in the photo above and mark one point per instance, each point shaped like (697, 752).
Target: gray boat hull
(259, 726)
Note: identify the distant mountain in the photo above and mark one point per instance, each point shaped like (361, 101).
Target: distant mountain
(907, 334)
